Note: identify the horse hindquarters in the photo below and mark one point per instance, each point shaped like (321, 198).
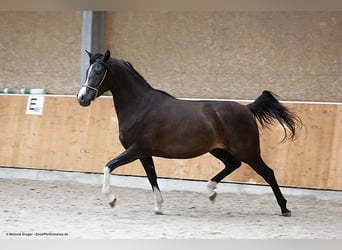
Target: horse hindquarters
(242, 134)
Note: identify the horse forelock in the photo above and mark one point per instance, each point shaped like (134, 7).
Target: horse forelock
(95, 57)
(99, 59)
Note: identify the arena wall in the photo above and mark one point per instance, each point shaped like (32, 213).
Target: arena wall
(40, 50)
(189, 54)
(233, 54)
(71, 138)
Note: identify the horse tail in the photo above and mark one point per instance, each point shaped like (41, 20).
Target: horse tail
(266, 109)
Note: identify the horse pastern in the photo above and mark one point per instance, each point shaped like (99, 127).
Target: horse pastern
(286, 214)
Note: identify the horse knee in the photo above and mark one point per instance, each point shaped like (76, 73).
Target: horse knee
(236, 164)
(233, 164)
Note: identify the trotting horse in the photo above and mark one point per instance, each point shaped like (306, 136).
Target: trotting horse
(154, 123)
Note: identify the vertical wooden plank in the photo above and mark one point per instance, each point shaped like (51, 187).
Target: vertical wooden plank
(335, 167)
(10, 125)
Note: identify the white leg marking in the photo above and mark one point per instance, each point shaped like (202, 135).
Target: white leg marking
(158, 200)
(106, 187)
(106, 180)
(211, 187)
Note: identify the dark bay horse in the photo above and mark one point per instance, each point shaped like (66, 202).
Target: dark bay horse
(153, 123)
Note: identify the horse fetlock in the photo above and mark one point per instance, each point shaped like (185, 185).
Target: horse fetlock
(211, 187)
(286, 214)
(110, 196)
(159, 199)
(157, 196)
(111, 199)
(106, 190)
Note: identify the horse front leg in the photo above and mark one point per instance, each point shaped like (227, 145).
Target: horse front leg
(106, 189)
(126, 157)
(152, 177)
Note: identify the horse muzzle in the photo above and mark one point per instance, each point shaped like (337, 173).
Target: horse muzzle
(83, 102)
(85, 97)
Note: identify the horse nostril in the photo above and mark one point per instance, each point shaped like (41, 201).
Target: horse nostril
(80, 98)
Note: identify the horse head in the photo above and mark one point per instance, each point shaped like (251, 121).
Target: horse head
(97, 78)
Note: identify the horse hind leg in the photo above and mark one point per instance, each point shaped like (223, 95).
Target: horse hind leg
(230, 162)
(152, 177)
(268, 174)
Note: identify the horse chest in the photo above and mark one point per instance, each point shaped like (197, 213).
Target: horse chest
(131, 136)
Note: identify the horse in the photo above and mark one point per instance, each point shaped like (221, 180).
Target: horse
(154, 123)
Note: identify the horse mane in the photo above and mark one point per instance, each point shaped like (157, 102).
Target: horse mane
(133, 71)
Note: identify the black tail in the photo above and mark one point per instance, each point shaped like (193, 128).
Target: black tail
(266, 108)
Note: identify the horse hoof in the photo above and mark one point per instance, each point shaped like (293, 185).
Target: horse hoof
(158, 212)
(286, 214)
(212, 197)
(112, 203)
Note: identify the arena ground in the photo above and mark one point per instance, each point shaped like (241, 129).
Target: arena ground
(53, 208)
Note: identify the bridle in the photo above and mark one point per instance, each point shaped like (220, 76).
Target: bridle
(96, 89)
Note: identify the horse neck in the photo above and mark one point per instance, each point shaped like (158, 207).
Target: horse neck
(130, 95)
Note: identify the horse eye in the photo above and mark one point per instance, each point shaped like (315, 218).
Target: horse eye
(98, 67)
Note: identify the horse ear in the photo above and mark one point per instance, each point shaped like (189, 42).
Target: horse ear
(89, 53)
(106, 56)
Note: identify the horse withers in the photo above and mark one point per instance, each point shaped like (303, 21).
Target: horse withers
(154, 123)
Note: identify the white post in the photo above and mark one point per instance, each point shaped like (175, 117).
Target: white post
(92, 37)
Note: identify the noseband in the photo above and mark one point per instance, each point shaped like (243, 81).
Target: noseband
(96, 89)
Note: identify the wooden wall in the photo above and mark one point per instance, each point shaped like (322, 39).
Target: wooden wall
(69, 137)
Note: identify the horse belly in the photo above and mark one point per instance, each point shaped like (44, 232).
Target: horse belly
(178, 154)
(181, 145)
